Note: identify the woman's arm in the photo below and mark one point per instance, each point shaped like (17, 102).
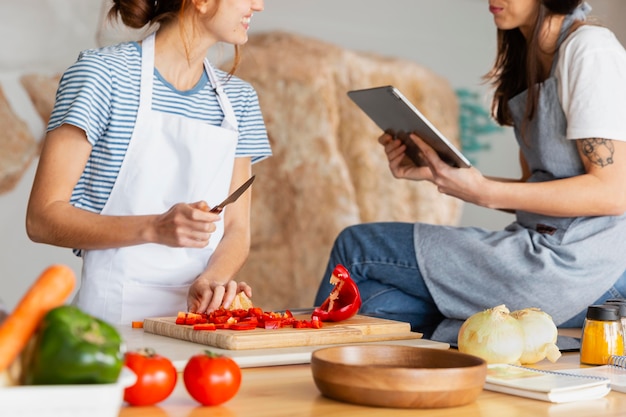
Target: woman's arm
(525, 174)
(601, 191)
(215, 286)
(51, 219)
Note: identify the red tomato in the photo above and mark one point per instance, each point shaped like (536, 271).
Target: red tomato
(156, 377)
(211, 379)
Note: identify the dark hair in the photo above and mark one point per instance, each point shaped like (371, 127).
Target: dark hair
(517, 66)
(139, 13)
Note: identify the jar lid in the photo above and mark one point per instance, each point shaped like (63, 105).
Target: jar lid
(620, 303)
(603, 312)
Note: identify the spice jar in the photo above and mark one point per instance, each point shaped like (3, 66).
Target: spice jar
(621, 303)
(602, 335)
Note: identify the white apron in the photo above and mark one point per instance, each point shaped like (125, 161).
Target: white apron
(170, 159)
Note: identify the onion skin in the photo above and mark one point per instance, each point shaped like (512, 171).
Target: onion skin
(540, 335)
(492, 335)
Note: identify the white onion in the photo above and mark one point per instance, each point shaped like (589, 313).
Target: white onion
(540, 335)
(493, 335)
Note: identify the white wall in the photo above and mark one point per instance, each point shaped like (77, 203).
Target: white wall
(453, 37)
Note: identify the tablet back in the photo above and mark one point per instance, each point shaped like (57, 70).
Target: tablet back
(394, 113)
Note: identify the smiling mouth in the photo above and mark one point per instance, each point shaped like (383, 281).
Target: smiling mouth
(495, 10)
(246, 21)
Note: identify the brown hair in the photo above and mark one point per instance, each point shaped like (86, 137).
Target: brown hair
(517, 66)
(138, 13)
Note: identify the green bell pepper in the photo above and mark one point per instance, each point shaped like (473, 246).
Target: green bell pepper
(73, 347)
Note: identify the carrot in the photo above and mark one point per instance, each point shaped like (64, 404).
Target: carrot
(50, 290)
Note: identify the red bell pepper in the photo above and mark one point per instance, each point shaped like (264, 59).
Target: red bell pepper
(344, 300)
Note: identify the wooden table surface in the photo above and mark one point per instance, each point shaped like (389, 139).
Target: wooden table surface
(289, 391)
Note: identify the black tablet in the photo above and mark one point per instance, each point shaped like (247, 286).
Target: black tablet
(395, 114)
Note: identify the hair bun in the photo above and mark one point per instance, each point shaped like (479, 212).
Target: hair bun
(562, 6)
(134, 13)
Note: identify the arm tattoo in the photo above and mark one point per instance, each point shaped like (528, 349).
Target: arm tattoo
(599, 151)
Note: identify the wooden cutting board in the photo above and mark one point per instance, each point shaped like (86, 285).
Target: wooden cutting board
(357, 329)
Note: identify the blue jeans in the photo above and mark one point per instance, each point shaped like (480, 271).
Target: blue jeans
(618, 290)
(381, 260)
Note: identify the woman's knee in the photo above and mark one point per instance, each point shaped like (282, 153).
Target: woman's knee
(385, 300)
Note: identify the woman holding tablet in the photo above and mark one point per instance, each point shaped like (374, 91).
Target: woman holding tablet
(556, 80)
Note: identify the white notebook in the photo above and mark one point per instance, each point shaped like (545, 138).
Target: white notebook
(552, 386)
(615, 371)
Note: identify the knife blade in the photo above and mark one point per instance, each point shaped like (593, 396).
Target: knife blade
(234, 196)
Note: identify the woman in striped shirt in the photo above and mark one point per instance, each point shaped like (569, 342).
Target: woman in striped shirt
(143, 139)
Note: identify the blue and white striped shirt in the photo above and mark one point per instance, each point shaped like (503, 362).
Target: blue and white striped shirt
(99, 93)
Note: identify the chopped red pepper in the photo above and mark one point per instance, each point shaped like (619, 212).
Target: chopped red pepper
(241, 313)
(300, 324)
(316, 322)
(272, 324)
(204, 326)
(255, 311)
(240, 319)
(194, 318)
(242, 325)
(287, 322)
(344, 300)
(219, 319)
(180, 318)
(249, 319)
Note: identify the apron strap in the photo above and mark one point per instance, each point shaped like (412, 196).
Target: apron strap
(147, 81)
(230, 120)
(147, 72)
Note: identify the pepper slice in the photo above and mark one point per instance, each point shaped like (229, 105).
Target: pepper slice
(73, 347)
(204, 326)
(344, 300)
(243, 325)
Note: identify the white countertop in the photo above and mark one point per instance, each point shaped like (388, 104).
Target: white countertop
(179, 351)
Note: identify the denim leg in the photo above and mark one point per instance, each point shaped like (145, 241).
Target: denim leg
(381, 260)
(618, 290)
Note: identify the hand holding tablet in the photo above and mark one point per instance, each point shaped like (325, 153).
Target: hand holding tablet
(395, 114)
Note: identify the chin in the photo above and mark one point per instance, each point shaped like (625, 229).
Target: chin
(503, 25)
(237, 40)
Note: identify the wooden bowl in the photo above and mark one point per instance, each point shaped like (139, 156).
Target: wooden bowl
(398, 376)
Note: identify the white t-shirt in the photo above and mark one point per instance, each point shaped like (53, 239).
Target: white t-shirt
(592, 84)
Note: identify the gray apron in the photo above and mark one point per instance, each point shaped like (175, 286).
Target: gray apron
(558, 264)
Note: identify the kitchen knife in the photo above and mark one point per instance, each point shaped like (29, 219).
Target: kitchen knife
(233, 197)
